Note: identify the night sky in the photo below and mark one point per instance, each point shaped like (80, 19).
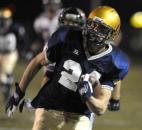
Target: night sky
(29, 9)
(25, 11)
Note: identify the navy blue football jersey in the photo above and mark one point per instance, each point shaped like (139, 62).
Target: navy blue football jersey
(112, 64)
(65, 47)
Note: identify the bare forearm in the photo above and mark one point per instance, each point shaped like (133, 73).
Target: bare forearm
(30, 71)
(116, 91)
(98, 105)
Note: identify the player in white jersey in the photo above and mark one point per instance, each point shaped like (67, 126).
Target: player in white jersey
(47, 22)
(8, 51)
(11, 33)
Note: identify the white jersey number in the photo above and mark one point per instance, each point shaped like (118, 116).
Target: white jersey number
(71, 75)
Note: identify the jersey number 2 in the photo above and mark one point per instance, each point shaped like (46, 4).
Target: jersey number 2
(72, 74)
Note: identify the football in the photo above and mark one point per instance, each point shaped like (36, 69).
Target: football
(97, 90)
(96, 86)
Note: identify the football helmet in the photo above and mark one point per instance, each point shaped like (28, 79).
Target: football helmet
(72, 17)
(103, 24)
(5, 19)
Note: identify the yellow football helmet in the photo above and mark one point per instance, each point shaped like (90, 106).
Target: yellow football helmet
(5, 19)
(5, 13)
(108, 16)
(102, 24)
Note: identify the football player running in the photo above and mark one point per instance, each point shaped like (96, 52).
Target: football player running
(12, 35)
(82, 65)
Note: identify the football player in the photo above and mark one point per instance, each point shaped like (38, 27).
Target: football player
(82, 65)
(66, 18)
(47, 22)
(10, 33)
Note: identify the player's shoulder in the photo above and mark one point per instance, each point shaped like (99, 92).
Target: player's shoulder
(65, 33)
(119, 58)
(112, 57)
(59, 34)
(58, 37)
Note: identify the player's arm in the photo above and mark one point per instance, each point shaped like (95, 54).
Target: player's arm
(95, 95)
(31, 70)
(116, 92)
(114, 102)
(29, 73)
(99, 105)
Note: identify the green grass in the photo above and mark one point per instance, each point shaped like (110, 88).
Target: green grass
(128, 118)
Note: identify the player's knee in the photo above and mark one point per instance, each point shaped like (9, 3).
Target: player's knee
(39, 123)
(40, 117)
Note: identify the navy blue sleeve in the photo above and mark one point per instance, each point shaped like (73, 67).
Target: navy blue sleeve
(109, 83)
(117, 68)
(122, 64)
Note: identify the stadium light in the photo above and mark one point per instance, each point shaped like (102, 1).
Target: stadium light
(136, 20)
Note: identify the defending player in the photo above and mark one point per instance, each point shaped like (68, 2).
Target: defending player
(79, 69)
(66, 18)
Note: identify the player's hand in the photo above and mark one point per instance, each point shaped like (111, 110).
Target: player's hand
(85, 88)
(14, 101)
(114, 105)
(27, 104)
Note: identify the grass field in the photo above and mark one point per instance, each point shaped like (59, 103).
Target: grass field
(128, 118)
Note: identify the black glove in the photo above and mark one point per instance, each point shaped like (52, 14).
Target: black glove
(114, 105)
(14, 100)
(85, 88)
(27, 104)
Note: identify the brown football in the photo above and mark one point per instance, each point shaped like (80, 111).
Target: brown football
(97, 90)
(96, 86)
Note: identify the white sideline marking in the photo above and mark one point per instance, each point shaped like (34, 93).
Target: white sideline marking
(115, 122)
(4, 128)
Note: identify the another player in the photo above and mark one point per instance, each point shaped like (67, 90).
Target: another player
(47, 22)
(10, 33)
(82, 66)
(73, 17)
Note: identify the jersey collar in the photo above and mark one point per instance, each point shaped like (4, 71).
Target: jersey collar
(101, 54)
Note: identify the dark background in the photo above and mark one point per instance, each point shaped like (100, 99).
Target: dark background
(130, 115)
(28, 9)
(25, 11)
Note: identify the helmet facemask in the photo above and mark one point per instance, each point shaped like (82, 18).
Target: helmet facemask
(97, 33)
